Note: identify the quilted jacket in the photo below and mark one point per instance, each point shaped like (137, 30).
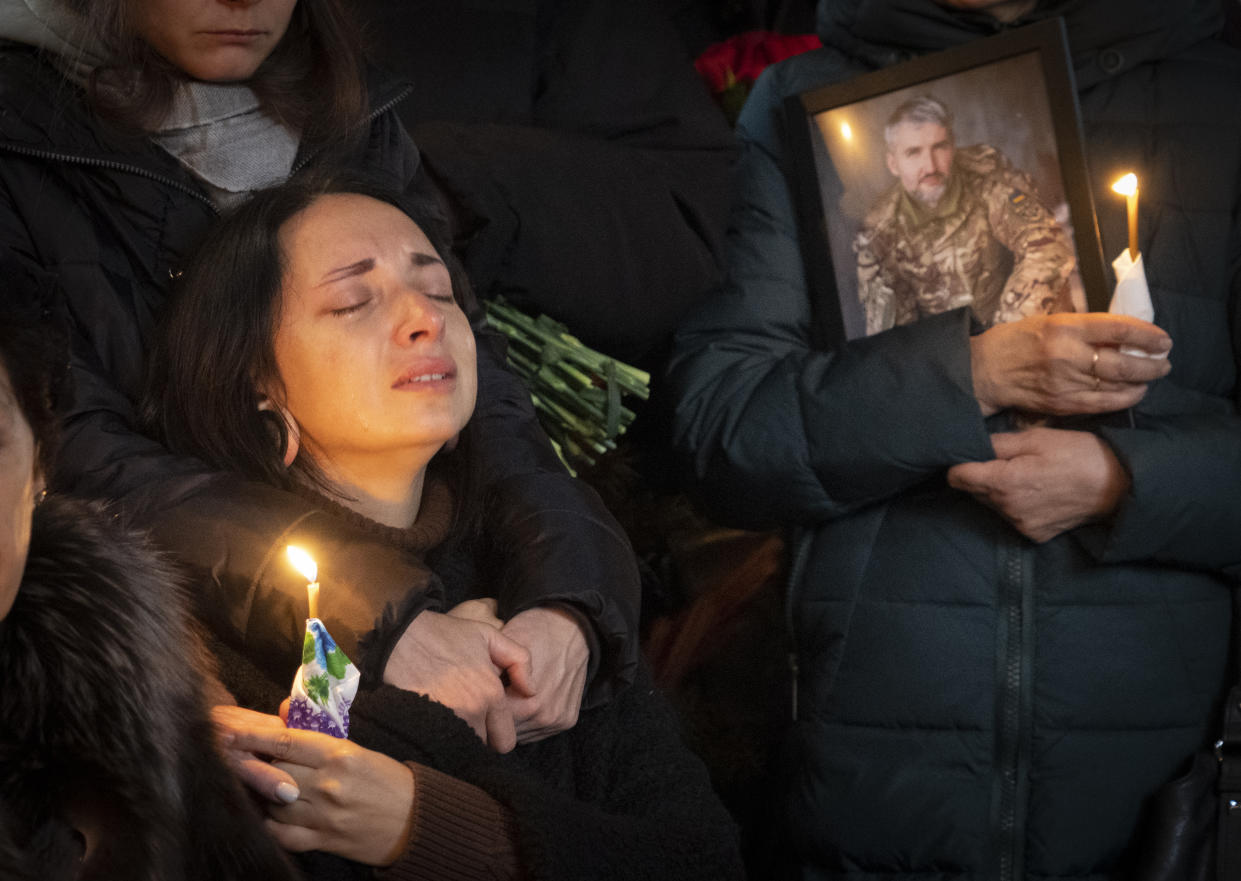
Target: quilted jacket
(974, 705)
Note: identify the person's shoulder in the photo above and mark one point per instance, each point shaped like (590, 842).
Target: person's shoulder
(824, 66)
(1211, 63)
(989, 174)
(25, 74)
(384, 89)
(981, 160)
(37, 103)
(26, 69)
(801, 73)
(882, 215)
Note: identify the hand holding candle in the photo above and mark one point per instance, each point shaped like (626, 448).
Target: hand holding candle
(326, 682)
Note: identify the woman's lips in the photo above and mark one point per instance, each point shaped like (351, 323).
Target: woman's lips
(426, 374)
(235, 36)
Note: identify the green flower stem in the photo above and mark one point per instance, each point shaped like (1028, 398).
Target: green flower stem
(577, 392)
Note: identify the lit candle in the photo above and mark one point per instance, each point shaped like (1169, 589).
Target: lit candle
(326, 683)
(305, 564)
(1127, 186)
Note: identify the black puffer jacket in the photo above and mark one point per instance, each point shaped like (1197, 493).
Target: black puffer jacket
(115, 219)
(974, 705)
(103, 720)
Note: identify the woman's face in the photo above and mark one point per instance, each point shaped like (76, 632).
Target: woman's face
(19, 483)
(375, 356)
(214, 40)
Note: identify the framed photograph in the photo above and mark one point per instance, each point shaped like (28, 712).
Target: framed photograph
(955, 179)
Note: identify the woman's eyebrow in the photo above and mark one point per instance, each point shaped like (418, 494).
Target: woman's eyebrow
(424, 258)
(359, 268)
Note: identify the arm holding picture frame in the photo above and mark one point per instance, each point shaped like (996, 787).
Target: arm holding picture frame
(843, 169)
(919, 617)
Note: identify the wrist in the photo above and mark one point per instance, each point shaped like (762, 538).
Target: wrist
(403, 815)
(984, 386)
(1114, 485)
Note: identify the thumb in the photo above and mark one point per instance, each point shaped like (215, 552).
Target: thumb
(1125, 330)
(972, 477)
(1031, 442)
(514, 659)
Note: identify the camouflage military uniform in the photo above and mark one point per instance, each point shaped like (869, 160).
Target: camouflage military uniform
(989, 244)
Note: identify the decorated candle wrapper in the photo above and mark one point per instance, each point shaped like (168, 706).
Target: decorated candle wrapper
(324, 686)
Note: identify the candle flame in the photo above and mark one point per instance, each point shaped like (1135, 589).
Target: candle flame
(302, 562)
(846, 131)
(1127, 185)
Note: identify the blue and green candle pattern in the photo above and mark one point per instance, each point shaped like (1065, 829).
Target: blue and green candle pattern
(324, 686)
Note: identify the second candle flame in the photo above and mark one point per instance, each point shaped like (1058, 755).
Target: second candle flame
(1126, 185)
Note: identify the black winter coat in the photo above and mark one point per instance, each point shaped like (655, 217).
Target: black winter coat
(974, 705)
(102, 715)
(115, 219)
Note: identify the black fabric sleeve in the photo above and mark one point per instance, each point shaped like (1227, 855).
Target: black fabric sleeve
(231, 535)
(559, 542)
(618, 796)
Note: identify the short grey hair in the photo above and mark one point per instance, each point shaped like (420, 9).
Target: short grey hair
(919, 111)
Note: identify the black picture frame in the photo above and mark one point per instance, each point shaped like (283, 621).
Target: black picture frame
(1013, 91)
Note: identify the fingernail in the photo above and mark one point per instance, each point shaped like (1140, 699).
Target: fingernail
(287, 792)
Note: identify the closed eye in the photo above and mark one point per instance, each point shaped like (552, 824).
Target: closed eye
(350, 309)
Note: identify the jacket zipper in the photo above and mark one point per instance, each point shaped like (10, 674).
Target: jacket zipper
(128, 168)
(111, 165)
(1014, 659)
(374, 115)
(799, 541)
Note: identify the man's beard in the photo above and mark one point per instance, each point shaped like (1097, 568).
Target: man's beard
(930, 196)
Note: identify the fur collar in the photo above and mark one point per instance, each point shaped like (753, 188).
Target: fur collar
(103, 690)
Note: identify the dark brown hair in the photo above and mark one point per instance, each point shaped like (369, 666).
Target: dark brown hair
(313, 80)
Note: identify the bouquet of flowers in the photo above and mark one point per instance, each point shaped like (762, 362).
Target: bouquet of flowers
(577, 392)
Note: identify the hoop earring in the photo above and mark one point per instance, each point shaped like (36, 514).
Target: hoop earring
(288, 434)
